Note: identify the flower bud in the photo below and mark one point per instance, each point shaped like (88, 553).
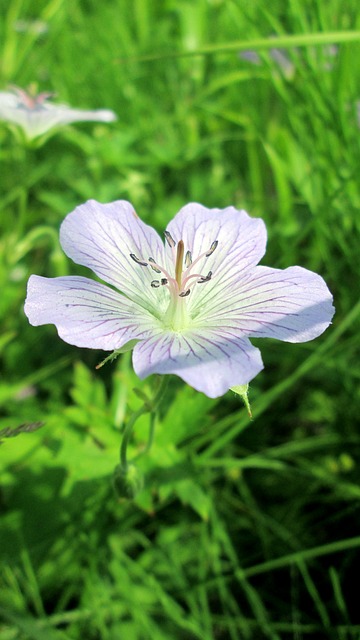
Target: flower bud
(127, 482)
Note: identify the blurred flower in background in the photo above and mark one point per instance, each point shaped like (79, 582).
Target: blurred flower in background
(286, 64)
(279, 56)
(357, 108)
(35, 27)
(36, 116)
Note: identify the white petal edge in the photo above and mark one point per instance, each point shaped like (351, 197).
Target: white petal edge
(86, 313)
(210, 362)
(294, 305)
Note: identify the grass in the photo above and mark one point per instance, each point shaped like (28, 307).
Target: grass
(244, 529)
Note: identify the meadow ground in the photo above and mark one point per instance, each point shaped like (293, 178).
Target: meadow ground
(244, 529)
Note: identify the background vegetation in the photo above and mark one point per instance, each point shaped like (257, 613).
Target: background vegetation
(244, 529)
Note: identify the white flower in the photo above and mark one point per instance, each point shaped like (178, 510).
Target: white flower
(188, 306)
(36, 116)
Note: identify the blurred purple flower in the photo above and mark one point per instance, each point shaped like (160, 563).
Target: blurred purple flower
(250, 56)
(330, 51)
(279, 56)
(283, 61)
(187, 308)
(36, 116)
(357, 109)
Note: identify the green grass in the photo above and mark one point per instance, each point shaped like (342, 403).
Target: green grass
(245, 529)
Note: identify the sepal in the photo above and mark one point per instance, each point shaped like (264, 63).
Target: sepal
(242, 391)
(128, 346)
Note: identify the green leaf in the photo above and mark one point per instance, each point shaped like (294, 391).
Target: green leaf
(192, 494)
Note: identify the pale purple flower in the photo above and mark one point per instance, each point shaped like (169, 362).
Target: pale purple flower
(279, 56)
(36, 116)
(282, 59)
(187, 306)
(249, 55)
(357, 109)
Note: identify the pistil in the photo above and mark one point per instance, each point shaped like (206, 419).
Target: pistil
(179, 262)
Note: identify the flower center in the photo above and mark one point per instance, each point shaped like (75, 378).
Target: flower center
(30, 100)
(181, 283)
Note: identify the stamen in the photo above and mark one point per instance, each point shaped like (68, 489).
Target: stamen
(205, 278)
(179, 262)
(183, 268)
(212, 248)
(152, 266)
(142, 263)
(170, 240)
(188, 259)
(206, 254)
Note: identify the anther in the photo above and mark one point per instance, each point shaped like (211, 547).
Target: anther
(142, 263)
(183, 294)
(152, 266)
(205, 278)
(170, 240)
(212, 248)
(155, 284)
(188, 259)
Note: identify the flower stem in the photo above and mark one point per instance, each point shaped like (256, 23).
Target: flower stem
(151, 407)
(22, 210)
(127, 436)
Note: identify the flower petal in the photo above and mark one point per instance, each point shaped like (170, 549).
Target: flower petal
(66, 115)
(241, 244)
(86, 313)
(293, 304)
(102, 237)
(209, 361)
(37, 122)
(234, 229)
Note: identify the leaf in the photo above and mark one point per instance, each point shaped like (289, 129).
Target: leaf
(192, 494)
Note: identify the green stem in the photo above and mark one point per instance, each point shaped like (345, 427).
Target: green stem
(160, 392)
(127, 436)
(148, 407)
(150, 438)
(23, 162)
(23, 203)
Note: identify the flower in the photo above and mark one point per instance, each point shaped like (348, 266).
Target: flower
(279, 56)
(34, 27)
(188, 306)
(36, 116)
(325, 55)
